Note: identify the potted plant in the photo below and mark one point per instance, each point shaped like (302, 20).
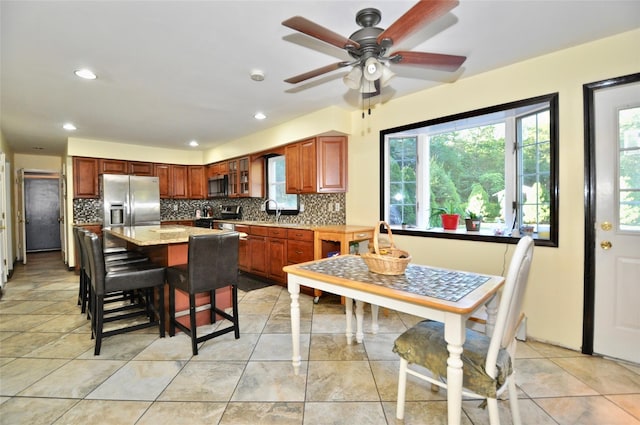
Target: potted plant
(448, 216)
(472, 221)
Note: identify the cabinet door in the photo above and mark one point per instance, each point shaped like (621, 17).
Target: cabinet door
(234, 187)
(292, 165)
(308, 166)
(277, 258)
(332, 164)
(140, 168)
(244, 260)
(197, 186)
(163, 172)
(179, 182)
(258, 255)
(112, 166)
(244, 176)
(85, 177)
(299, 251)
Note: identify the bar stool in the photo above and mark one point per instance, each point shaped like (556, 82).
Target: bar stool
(142, 278)
(212, 264)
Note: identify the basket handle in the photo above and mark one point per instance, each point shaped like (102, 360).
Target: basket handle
(376, 234)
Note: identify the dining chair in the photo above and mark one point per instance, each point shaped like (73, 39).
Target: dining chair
(142, 280)
(488, 361)
(212, 263)
(83, 281)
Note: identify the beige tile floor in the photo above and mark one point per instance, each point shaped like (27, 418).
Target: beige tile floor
(49, 375)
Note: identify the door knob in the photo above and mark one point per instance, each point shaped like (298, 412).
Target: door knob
(605, 245)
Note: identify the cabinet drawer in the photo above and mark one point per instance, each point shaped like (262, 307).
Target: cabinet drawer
(242, 228)
(300, 235)
(277, 232)
(259, 231)
(358, 236)
(299, 251)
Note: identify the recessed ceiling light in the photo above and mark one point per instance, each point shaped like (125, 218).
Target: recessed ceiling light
(257, 75)
(259, 116)
(69, 127)
(193, 143)
(87, 74)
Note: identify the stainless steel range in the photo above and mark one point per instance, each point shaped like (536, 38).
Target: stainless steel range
(227, 212)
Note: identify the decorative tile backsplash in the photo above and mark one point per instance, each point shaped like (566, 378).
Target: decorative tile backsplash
(318, 209)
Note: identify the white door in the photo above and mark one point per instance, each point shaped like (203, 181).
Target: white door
(617, 277)
(22, 238)
(4, 265)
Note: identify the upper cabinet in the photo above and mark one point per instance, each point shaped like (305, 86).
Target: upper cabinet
(317, 165)
(140, 168)
(173, 180)
(117, 166)
(245, 177)
(217, 169)
(197, 182)
(85, 177)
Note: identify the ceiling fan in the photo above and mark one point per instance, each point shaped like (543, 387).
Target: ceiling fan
(368, 46)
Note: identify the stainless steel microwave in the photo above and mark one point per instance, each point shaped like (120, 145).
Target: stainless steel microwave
(217, 187)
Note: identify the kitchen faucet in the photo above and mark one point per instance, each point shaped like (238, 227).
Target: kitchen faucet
(277, 207)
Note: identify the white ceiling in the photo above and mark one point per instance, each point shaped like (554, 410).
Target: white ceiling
(173, 71)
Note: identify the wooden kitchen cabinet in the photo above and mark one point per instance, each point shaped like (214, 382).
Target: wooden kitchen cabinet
(136, 168)
(277, 255)
(244, 260)
(173, 180)
(218, 169)
(112, 166)
(245, 177)
(317, 165)
(300, 246)
(197, 182)
(85, 177)
(258, 250)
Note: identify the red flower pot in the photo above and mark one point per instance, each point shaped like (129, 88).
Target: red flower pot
(450, 221)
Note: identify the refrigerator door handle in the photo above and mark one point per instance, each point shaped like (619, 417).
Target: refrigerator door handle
(132, 206)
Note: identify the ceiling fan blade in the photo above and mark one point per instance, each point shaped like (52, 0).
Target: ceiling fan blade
(430, 60)
(422, 13)
(316, 72)
(312, 29)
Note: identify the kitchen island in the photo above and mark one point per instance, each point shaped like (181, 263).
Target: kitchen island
(169, 246)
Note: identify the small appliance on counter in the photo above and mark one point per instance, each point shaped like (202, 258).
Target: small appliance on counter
(227, 212)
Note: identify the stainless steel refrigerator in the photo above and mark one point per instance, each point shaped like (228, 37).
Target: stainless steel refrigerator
(129, 200)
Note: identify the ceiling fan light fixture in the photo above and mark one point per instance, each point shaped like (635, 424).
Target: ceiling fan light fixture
(353, 78)
(387, 75)
(372, 69)
(368, 86)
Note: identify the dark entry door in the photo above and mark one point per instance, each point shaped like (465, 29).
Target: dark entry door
(42, 212)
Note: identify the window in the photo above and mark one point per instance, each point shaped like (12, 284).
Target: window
(498, 163)
(276, 188)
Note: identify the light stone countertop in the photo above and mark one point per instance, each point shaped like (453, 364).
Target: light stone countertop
(160, 235)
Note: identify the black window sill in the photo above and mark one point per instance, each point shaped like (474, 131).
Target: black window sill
(463, 234)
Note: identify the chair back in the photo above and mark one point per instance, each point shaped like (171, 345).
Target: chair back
(93, 249)
(511, 299)
(213, 261)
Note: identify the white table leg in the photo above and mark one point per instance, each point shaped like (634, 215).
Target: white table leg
(374, 318)
(348, 314)
(359, 321)
(454, 334)
(294, 290)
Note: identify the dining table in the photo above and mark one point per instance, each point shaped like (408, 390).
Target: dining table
(444, 295)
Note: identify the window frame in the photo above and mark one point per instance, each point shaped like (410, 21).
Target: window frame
(552, 241)
(268, 206)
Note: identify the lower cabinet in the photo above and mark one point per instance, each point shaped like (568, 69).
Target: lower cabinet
(244, 261)
(267, 249)
(258, 250)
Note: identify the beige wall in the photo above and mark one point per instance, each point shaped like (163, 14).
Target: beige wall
(37, 163)
(555, 297)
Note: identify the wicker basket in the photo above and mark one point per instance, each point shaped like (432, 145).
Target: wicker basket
(390, 261)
